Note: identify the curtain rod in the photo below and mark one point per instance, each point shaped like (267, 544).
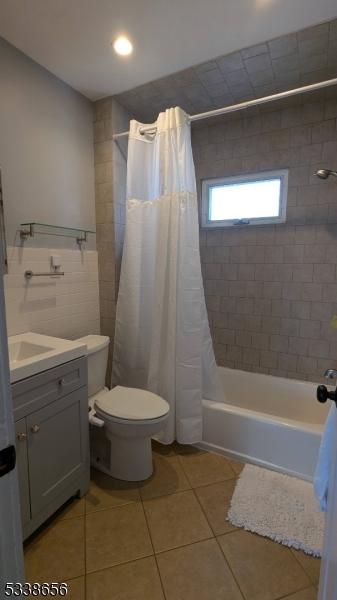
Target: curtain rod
(243, 105)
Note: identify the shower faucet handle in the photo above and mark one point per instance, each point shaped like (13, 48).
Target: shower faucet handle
(323, 394)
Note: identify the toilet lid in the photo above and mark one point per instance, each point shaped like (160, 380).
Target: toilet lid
(132, 404)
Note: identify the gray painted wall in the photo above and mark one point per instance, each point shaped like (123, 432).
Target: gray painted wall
(46, 150)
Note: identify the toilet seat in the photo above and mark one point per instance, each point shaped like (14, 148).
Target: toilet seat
(131, 405)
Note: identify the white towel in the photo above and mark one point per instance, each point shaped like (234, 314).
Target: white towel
(322, 472)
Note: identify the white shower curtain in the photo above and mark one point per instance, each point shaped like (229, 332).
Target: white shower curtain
(162, 338)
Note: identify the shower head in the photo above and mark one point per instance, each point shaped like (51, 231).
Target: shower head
(324, 173)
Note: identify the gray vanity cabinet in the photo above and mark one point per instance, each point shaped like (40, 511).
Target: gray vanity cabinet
(51, 420)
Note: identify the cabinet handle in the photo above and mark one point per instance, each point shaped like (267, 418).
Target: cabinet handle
(21, 436)
(62, 382)
(35, 428)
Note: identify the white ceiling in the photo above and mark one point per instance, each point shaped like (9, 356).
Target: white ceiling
(72, 38)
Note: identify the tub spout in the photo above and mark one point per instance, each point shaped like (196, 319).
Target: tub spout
(331, 374)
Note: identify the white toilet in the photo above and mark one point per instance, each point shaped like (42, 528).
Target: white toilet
(123, 419)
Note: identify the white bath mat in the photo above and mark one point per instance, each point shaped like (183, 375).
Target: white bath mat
(279, 507)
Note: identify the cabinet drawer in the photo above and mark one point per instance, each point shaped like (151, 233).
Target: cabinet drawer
(36, 392)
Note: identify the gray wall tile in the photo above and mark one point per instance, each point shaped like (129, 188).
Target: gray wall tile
(286, 274)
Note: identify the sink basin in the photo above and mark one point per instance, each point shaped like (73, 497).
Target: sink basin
(22, 350)
(31, 353)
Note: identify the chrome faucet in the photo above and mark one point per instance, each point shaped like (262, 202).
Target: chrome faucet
(331, 374)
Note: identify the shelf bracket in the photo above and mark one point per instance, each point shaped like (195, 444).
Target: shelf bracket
(26, 233)
(83, 238)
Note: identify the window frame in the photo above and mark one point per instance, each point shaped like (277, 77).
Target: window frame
(281, 174)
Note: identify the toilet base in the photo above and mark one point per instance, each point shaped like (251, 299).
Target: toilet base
(125, 458)
(123, 449)
(130, 458)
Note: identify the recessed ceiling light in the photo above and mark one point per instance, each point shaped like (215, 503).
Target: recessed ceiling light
(123, 46)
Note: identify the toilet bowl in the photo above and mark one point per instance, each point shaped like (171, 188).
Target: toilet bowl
(123, 420)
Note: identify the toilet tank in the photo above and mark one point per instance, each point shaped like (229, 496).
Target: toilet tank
(97, 354)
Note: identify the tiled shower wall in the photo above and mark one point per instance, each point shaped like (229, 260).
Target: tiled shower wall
(271, 291)
(110, 192)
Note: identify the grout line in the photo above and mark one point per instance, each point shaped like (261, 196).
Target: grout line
(230, 568)
(98, 510)
(303, 568)
(154, 554)
(126, 562)
(278, 597)
(184, 471)
(212, 537)
(209, 485)
(121, 564)
(217, 535)
(204, 485)
(234, 475)
(217, 541)
(141, 499)
(297, 592)
(203, 511)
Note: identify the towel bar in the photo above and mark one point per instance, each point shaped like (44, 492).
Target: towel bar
(30, 274)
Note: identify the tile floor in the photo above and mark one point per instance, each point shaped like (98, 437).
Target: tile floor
(166, 538)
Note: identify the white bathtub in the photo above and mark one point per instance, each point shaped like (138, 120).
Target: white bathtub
(270, 421)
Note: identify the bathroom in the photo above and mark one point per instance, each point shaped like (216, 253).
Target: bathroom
(148, 521)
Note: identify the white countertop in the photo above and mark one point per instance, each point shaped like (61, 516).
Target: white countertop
(31, 353)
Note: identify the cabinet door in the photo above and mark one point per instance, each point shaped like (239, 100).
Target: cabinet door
(57, 447)
(22, 469)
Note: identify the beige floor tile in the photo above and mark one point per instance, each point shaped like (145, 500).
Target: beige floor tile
(76, 589)
(263, 569)
(197, 572)
(107, 492)
(176, 520)
(215, 500)
(162, 449)
(205, 468)
(57, 552)
(308, 594)
(168, 478)
(116, 535)
(137, 580)
(310, 564)
(74, 508)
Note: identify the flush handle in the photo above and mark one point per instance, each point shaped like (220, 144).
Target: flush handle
(35, 428)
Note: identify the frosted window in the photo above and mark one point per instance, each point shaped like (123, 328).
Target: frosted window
(245, 200)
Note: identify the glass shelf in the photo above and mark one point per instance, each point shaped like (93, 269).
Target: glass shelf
(30, 229)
